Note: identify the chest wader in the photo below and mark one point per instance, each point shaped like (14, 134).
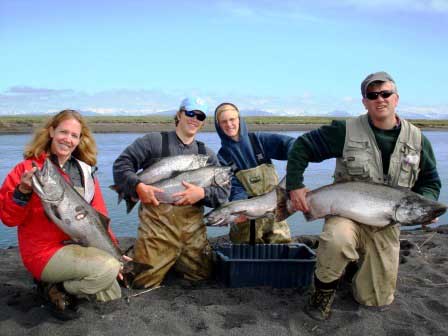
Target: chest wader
(258, 181)
(376, 251)
(170, 235)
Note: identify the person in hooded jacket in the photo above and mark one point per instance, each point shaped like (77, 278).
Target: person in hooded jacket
(251, 156)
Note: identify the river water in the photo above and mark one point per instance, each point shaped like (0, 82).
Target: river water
(110, 145)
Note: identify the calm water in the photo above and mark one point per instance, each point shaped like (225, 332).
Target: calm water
(111, 145)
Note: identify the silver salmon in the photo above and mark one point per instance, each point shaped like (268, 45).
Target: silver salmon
(201, 177)
(161, 169)
(70, 212)
(273, 204)
(172, 165)
(372, 204)
(85, 226)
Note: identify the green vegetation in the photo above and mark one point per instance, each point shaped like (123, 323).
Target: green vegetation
(300, 120)
(33, 119)
(290, 120)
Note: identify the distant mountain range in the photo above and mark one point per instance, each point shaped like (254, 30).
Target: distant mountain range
(261, 113)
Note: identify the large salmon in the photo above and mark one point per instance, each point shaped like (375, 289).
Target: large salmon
(372, 204)
(201, 177)
(162, 169)
(70, 212)
(273, 204)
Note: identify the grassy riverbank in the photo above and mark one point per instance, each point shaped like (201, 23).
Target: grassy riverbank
(111, 124)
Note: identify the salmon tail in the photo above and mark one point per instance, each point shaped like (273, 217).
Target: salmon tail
(120, 194)
(130, 271)
(283, 210)
(130, 204)
(308, 216)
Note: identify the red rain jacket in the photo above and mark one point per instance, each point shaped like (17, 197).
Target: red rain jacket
(39, 238)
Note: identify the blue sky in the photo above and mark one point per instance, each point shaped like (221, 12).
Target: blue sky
(295, 57)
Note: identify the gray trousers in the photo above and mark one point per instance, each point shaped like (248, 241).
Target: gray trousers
(84, 271)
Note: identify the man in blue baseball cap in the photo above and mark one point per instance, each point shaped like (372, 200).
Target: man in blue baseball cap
(193, 107)
(170, 234)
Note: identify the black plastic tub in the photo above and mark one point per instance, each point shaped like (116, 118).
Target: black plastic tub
(274, 265)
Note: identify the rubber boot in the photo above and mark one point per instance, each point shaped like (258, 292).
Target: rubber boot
(319, 304)
(62, 305)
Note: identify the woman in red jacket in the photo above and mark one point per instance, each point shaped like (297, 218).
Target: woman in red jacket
(63, 272)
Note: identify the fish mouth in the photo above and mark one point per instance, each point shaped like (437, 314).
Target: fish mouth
(439, 212)
(209, 221)
(222, 177)
(39, 180)
(219, 222)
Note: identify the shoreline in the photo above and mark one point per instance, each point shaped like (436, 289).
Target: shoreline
(16, 128)
(155, 127)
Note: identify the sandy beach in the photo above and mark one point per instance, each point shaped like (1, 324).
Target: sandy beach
(210, 308)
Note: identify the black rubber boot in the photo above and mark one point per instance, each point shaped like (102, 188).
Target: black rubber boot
(319, 304)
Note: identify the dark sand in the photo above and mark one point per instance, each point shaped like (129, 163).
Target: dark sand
(209, 308)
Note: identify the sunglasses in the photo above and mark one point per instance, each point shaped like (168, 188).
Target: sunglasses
(199, 115)
(384, 94)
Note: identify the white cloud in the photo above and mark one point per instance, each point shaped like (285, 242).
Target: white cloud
(138, 102)
(268, 11)
(435, 6)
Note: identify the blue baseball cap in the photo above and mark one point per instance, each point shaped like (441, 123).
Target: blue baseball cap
(192, 103)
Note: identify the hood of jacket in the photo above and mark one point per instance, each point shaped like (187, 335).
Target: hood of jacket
(238, 152)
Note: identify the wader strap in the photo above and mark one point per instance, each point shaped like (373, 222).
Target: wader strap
(165, 145)
(252, 231)
(259, 155)
(201, 148)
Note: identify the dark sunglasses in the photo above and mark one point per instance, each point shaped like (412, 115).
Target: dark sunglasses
(384, 94)
(199, 115)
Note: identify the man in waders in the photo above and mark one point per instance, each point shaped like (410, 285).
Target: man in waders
(250, 155)
(170, 234)
(378, 147)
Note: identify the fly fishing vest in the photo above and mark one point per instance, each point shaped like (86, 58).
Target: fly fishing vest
(361, 159)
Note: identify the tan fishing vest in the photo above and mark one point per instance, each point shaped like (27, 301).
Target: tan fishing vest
(361, 158)
(259, 180)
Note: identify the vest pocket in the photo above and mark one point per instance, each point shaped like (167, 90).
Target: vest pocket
(409, 166)
(357, 163)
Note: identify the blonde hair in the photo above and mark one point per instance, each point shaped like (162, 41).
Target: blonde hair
(85, 151)
(177, 117)
(225, 107)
